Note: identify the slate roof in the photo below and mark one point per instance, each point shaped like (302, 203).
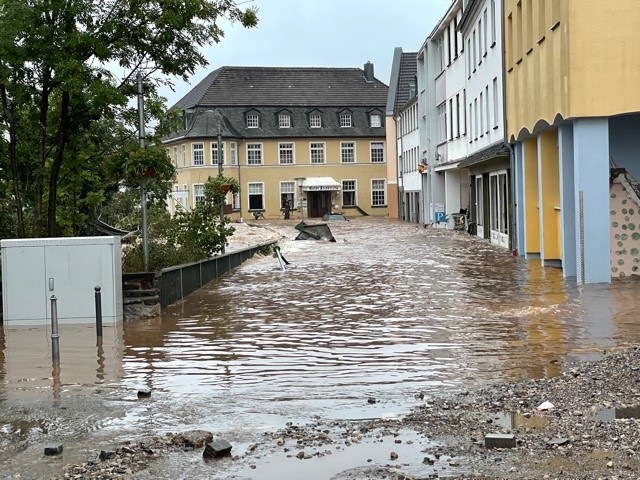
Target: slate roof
(268, 91)
(285, 86)
(406, 78)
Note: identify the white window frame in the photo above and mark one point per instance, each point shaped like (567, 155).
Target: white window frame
(375, 148)
(233, 152)
(214, 153)
(479, 200)
(197, 154)
(175, 156)
(442, 122)
(349, 190)
(496, 113)
(287, 147)
(345, 120)
(315, 120)
(314, 149)
(284, 120)
(198, 193)
(253, 120)
(375, 120)
(288, 188)
(184, 155)
(378, 185)
(347, 152)
(255, 188)
(253, 149)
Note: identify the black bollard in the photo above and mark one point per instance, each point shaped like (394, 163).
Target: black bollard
(98, 312)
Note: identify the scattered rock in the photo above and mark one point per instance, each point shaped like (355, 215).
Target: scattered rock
(53, 449)
(217, 448)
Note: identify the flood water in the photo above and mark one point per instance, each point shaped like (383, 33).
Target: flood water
(389, 311)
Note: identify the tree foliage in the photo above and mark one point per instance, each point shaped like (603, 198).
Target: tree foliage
(67, 78)
(202, 229)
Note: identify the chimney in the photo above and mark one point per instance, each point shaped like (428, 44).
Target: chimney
(368, 72)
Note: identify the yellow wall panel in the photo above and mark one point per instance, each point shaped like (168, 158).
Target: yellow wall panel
(549, 194)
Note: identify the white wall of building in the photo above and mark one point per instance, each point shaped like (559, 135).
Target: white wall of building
(483, 74)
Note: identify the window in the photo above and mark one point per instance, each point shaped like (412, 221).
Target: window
(487, 111)
(254, 154)
(284, 120)
(442, 122)
(449, 44)
(348, 193)
(287, 194)
(475, 51)
(469, 57)
(235, 201)
(495, 102)
(285, 153)
(317, 152)
(253, 120)
(470, 117)
(493, 22)
(455, 37)
(377, 152)
(197, 156)
(378, 196)
(214, 153)
(376, 120)
(480, 41)
(198, 193)
(479, 201)
(457, 114)
(441, 53)
(484, 32)
(345, 119)
(315, 120)
(451, 119)
(475, 119)
(481, 115)
(256, 196)
(184, 155)
(175, 156)
(347, 152)
(233, 147)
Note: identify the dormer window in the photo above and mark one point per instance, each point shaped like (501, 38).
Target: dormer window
(345, 119)
(375, 120)
(315, 120)
(284, 120)
(253, 120)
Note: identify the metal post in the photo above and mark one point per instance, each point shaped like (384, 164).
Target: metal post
(143, 200)
(219, 117)
(220, 174)
(98, 312)
(55, 338)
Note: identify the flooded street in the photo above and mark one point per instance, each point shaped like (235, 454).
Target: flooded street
(389, 311)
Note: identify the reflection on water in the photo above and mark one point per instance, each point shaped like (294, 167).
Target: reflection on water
(388, 311)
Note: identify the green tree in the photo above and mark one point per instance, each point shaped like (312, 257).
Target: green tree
(202, 229)
(63, 111)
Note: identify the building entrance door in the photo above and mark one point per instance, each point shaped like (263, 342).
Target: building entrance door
(319, 203)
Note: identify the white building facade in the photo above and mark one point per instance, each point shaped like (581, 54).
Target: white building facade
(488, 158)
(442, 100)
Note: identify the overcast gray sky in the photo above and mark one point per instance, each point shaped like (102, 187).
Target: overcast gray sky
(322, 33)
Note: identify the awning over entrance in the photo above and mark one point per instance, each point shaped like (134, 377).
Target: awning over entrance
(320, 184)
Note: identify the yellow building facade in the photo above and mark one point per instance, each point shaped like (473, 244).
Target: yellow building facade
(299, 140)
(572, 103)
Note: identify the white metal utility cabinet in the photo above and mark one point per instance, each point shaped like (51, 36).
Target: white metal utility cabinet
(70, 268)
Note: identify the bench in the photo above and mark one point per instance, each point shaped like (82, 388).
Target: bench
(258, 214)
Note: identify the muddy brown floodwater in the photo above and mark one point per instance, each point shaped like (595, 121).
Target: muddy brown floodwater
(389, 311)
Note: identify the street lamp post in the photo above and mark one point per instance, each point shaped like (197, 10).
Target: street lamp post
(219, 119)
(300, 183)
(143, 200)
